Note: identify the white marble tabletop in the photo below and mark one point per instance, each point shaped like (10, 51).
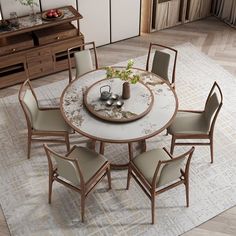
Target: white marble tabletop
(163, 110)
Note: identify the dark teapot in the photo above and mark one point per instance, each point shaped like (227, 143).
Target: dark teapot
(105, 94)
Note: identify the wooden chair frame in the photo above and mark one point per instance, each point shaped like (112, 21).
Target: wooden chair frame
(150, 189)
(31, 131)
(85, 188)
(151, 46)
(208, 136)
(71, 50)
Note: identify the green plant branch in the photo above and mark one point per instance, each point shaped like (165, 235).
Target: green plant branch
(27, 2)
(125, 74)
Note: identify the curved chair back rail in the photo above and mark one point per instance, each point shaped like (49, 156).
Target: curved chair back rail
(29, 102)
(82, 59)
(170, 170)
(213, 106)
(160, 62)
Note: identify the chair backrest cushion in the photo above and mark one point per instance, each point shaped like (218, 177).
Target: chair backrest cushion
(211, 107)
(67, 170)
(170, 172)
(31, 105)
(83, 62)
(160, 64)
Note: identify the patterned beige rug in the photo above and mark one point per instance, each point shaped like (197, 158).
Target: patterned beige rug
(23, 183)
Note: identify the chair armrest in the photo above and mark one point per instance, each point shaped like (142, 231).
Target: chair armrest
(193, 111)
(49, 108)
(71, 150)
(168, 153)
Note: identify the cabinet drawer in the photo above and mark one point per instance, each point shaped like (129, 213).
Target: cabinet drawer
(37, 71)
(40, 68)
(56, 33)
(38, 53)
(39, 62)
(40, 59)
(15, 43)
(61, 47)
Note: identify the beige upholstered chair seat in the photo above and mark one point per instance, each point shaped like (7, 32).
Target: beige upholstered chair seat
(147, 163)
(189, 123)
(50, 120)
(90, 161)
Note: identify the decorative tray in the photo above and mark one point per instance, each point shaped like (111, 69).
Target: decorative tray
(52, 14)
(114, 108)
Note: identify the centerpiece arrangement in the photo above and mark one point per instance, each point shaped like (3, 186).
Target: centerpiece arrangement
(124, 74)
(104, 100)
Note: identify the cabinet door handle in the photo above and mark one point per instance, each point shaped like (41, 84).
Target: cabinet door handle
(58, 37)
(13, 50)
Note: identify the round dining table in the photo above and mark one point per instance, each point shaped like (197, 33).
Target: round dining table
(153, 103)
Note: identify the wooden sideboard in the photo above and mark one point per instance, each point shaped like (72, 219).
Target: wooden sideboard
(37, 47)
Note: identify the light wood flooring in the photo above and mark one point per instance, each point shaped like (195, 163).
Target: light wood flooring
(211, 36)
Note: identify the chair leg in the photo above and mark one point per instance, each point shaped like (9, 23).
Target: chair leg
(109, 177)
(29, 145)
(187, 192)
(128, 177)
(50, 189)
(153, 208)
(172, 145)
(82, 206)
(67, 140)
(211, 149)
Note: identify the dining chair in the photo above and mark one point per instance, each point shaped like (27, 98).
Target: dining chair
(157, 171)
(161, 61)
(42, 121)
(82, 59)
(80, 170)
(193, 124)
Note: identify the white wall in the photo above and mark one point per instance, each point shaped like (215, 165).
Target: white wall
(125, 16)
(95, 24)
(48, 4)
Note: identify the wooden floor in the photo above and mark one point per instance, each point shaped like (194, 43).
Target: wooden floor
(212, 37)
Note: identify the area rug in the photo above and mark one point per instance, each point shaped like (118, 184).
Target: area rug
(24, 183)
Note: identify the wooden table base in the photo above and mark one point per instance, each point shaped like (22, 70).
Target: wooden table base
(118, 166)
